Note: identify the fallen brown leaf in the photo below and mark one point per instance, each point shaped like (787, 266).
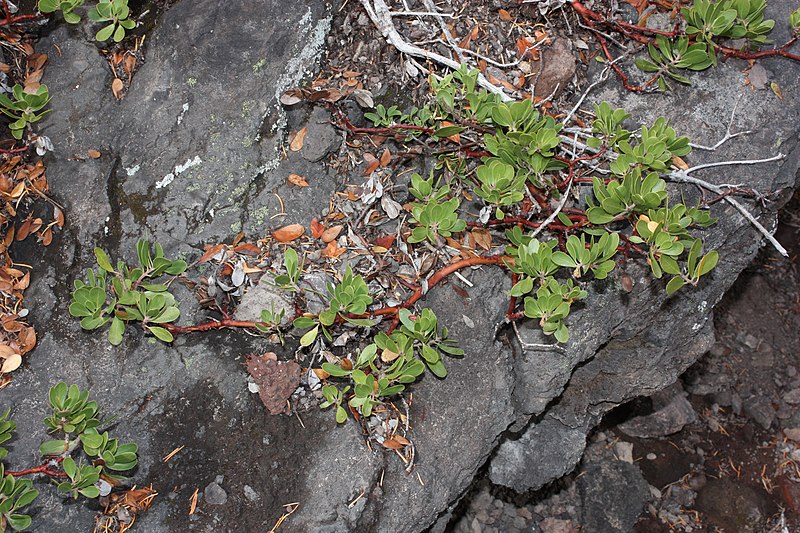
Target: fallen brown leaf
(332, 251)
(372, 163)
(288, 233)
(331, 233)
(117, 87)
(94, 154)
(297, 142)
(505, 16)
(386, 157)
(298, 180)
(317, 228)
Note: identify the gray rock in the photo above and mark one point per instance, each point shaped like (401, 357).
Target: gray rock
(732, 506)
(613, 494)
(213, 494)
(250, 493)
(666, 421)
(321, 137)
(760, 409)
(558, 68)
(792, 397)
(265, 295)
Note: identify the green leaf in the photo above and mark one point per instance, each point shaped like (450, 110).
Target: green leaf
(447, 131)
(168, 315)
(52, 447)
(364, 322)
(335, 370)
(48, 6)
(562, 334)
(115, 331)
(674, 284)
(670, 265)
(68, 464)
(341, 414)
(309, 337)
(161, 334)
(18, 522)
(102, 260)
(303, 322)
(25, 499)
(104, 34)
(646, 66)
(437, 368)
(90, 492)
(707, 263)
(119, 34)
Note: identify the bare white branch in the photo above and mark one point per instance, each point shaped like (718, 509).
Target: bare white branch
(737, 162)
(682, 176)
(380, 15)
(422, 14)
(728, 135)
(446, 31)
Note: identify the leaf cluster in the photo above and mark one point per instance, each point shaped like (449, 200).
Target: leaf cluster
(14, 495)
(115, 13)
(76, 417)
(384, 368)
(65, 6)
(25, 107)
(116, 296)
(551, 304)
(708, 23)
(348, 297)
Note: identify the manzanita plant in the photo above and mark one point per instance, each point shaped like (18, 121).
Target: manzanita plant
(74, 420)
(25, 108)
(117, 296)
(113, 13)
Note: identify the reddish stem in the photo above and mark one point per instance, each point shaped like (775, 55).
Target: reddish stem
(436, 279)
(775, 52)
(215, 324)
(41, 469)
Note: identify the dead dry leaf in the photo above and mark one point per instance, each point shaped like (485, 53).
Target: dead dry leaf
(298, 180)
(386, 157)
(317, 228)
(505, 16)
(276, 380)
(94, 154)
(117, 87)
(331, 233)
(332, 251)
(482, 238)
(11, 363)
(297, 142)
(288, 233)
(372, 163)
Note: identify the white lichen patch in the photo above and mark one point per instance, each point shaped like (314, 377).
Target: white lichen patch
(179, 169)
(131, 171)
(184, 109)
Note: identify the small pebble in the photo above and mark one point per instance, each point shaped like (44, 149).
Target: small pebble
(214, 494)
(651, 457)
(792, 433)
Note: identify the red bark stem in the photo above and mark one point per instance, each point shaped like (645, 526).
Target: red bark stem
(216, 324)
(436, 279)
(41, 469)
